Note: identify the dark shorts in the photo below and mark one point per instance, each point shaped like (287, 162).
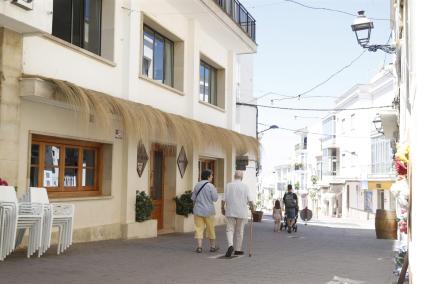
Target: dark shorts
(290, 213)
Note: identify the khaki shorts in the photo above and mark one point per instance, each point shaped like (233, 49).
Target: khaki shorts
(201, 223)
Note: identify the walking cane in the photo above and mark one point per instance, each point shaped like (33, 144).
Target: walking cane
(250, 237)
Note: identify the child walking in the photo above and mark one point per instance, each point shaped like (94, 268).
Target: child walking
(277, 215)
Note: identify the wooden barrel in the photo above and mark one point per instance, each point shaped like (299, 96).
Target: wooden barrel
(386, 224)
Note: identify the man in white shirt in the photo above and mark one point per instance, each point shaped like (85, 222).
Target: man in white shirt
(234, 207)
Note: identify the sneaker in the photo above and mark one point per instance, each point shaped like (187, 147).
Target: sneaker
(198, 250)
(229, 251)
(239, 252)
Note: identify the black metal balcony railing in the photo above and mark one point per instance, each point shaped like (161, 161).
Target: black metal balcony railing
(239, 14)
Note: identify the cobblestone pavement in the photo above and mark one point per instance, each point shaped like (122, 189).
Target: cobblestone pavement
(315, 254)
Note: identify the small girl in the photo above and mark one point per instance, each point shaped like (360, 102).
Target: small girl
(277, 215)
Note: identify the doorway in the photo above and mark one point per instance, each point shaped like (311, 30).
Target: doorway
(157, 184)
(163, 184)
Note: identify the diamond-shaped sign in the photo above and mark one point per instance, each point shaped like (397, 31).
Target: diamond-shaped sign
(182, 162)
(142, 158)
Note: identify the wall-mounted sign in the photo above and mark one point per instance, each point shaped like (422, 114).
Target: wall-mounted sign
(118, 134)
(182, 162)
(241, 163)
(142, 158)
(25, 4)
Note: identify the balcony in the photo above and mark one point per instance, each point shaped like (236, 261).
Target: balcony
(238, 13)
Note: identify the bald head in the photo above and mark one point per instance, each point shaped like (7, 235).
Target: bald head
(239, 175)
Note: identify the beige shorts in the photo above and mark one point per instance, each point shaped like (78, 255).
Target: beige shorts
(204, 222)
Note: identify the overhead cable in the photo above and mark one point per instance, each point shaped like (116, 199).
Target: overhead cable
(326, 80)
(312, 109)
(318, 8)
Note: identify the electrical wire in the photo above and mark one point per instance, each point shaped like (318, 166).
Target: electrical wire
(317, 8)
(312, 109)
(296, 131)
(327, 79)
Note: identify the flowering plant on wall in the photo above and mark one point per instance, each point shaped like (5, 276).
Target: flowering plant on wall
(401, 158)
(3, 182)
(402, 221)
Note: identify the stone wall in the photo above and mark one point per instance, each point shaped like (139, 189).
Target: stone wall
(10, 72)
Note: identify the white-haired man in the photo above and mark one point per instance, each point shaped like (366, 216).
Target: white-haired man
(234, 207)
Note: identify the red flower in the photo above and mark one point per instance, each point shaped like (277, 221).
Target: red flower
(400, 167)
(3, 182)
(403, 226)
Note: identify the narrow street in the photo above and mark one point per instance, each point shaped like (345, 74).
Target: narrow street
(326, 253)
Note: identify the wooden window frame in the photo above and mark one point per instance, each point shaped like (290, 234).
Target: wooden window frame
(63, 143)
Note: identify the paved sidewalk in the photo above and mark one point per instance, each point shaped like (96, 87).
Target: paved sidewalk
(313, 255)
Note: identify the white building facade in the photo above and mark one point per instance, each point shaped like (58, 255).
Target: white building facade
(102, 98)
(356, 166)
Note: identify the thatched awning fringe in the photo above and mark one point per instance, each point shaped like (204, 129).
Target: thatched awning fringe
(147, 123)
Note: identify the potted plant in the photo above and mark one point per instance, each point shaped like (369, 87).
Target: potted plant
(257, 215)
(144, 226)
(144, 206)
(184, 213)
(184, 204)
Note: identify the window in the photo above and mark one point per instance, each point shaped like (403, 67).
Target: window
(382, 162)
(78, 22)
(65, 167)
(343, 125)
(158, 57)
(207, 83)
(328, 126)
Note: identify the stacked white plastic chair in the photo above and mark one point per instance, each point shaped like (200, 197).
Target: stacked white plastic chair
(56, 215)
(15, 216)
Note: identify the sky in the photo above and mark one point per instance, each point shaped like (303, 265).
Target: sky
(299, 48)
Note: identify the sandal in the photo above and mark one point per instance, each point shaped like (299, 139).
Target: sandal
(214, 249)
(198, 250)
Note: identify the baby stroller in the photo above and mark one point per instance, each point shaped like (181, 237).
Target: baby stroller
(283, 224)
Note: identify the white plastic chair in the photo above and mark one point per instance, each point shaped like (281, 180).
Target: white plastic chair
(14, 216)
(56, 215)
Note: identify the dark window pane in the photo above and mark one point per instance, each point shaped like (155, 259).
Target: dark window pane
(35, 154)
(158, 59)
(34, 177)
(88, 177)
(70, 177)
(61, 24)
(77, 22)
(51, 156)
(148, 39)
(51, 177)
(71, 157)
(88, 158)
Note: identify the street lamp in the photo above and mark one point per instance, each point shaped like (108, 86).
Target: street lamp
(377, 122)
(270, 127)
(362, 27)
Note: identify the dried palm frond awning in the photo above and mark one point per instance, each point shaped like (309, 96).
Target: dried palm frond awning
(148, 123)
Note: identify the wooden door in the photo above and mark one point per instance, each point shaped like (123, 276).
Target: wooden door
(157, 184)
